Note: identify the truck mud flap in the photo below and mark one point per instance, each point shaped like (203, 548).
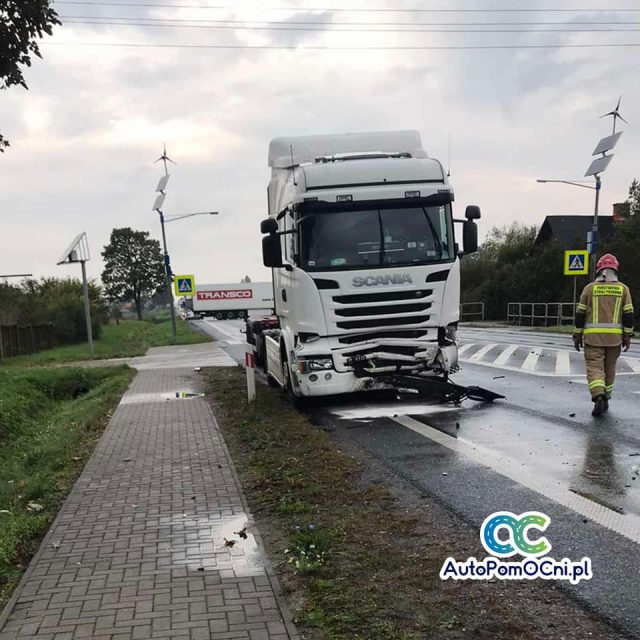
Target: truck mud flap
(439, 388)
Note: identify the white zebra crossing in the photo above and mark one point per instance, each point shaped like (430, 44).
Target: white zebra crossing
(532, 359)
(563, 363)
(503, 358)
(557, 362)
(478, 355)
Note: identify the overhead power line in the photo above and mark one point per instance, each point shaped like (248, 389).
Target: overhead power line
(149, 45)
(287, 23)
(327, 28)
(155, 5)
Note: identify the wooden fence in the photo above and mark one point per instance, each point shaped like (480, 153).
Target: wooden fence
(16, 340)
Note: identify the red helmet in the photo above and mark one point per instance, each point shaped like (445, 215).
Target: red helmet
(607, 262)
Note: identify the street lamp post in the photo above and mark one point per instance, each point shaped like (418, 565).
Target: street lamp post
(157, 206)
(602, 157)
(594, 232)
(167, 262)
(168, 276)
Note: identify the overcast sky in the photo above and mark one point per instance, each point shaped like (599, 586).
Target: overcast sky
(84, 137)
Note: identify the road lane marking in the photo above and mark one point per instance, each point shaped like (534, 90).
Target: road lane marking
(503, 358)
(481, 352)
(626, 525)
(532, 359)
(563, 363)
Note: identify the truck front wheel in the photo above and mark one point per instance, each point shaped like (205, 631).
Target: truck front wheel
(298, 401)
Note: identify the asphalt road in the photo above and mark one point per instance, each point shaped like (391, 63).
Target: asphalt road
(537, 450)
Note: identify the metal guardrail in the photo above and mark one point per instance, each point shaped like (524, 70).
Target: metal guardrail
(540, 314)
(22, 340)
(471, 311)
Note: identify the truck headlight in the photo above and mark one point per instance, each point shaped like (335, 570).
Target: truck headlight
(317, 363)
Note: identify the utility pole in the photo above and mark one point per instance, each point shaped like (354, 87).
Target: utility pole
(160, 189)
(594, 232)
(598, 166)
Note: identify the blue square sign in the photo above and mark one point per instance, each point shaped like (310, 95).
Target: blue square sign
(185, 285)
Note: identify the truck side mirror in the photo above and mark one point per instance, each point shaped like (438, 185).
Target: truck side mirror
(472, 212)
(272, 251)
(268, 226)
(469, 236)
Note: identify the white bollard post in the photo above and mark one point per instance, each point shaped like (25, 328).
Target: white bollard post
(250, 366)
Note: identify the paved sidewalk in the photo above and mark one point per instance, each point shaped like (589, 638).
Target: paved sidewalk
(138, 549)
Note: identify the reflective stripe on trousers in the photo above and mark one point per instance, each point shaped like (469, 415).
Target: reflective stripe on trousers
(601, 368)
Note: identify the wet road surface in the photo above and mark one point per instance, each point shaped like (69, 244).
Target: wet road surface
(537, 450)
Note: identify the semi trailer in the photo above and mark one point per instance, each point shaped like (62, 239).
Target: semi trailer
(235, 300)
(365, 262)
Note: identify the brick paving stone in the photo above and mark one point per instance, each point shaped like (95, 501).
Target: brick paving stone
(141, 536)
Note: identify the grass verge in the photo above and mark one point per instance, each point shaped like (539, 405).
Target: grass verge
(129, 338)
(46, 437)
(354, 560)
(564, 329)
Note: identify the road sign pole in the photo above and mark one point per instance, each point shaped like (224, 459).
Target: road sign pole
(575, 294)
(250, 366)
(87, 308)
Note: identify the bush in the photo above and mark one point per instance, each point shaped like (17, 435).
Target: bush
(54, 300)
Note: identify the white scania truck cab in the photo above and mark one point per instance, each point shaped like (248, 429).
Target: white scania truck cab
(366, 266)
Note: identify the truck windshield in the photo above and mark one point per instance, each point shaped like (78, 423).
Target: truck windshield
(340, 240)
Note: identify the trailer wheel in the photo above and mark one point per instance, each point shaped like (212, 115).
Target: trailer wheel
(219, 315)
(242, 314)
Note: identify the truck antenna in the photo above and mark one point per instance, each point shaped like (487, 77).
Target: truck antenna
(449, 157)
(295, 184)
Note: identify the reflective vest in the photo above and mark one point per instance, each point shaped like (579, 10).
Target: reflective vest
(604, 314)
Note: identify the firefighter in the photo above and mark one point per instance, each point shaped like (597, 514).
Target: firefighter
(603, 322)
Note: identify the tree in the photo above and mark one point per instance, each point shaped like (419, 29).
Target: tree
(509, 267)
(623, 244)
(21, 22)
(634, 197)
(134, 267)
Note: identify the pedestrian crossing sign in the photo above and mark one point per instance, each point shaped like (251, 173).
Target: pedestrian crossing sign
(185, 285)
(576, 262)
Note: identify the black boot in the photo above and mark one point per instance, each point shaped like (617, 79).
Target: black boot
(600, 405)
